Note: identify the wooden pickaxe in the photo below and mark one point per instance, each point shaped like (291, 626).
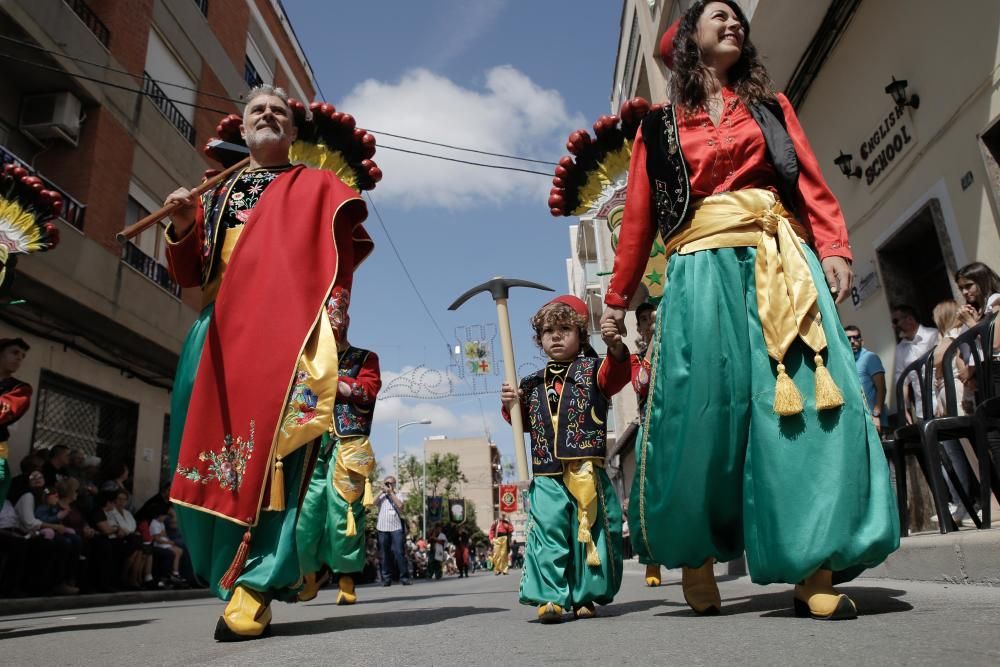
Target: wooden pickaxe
(499, 288)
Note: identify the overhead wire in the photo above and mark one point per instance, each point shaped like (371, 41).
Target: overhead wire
(226, 98)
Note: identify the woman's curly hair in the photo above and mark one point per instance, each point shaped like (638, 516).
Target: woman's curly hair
(688, 82)
(556, 314)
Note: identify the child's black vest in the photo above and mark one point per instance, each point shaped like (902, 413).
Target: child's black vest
(582, 412)
(669, 182)
(348, 418)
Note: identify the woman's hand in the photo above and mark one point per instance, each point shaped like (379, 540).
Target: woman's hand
(508, 397)
(969, 315)
(839, 276)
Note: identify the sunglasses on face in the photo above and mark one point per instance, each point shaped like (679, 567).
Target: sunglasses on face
(850, 337)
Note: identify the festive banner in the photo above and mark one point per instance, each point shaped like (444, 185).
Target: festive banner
(435, 510)
(508, 498)
(456, 510)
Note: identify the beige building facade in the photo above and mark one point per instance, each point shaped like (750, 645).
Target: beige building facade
(479, 461)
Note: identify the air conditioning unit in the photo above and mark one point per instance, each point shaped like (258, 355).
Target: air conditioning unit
(51, 116)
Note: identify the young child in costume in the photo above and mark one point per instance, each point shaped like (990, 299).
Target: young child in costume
(574, 549)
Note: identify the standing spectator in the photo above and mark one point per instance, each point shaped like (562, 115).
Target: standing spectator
(15, 398)
(57, 466)
(462, 555)
(391, 535)
(438, 554)
(501, 532)
(871, 372)
(914, 341)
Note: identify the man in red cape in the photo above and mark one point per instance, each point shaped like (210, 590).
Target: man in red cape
(258, 375)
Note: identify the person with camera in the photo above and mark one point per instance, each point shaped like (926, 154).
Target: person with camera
(391, 533)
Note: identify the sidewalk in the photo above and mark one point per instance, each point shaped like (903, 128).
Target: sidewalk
(968, 556)
(18, 606)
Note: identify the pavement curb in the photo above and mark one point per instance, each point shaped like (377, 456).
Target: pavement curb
(18, 606)
(963, 557)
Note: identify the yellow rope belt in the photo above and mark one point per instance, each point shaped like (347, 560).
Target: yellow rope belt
(787, 300)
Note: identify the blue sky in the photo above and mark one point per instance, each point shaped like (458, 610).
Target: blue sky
(509, 76)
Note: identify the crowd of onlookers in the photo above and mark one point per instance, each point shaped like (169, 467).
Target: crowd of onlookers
(70, 525)
(979, 286)
(437, 557)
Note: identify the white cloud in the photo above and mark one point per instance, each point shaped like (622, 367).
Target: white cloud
(466, 23)
(510, 115)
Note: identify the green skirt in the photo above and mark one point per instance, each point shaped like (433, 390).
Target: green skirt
(555, 563)
(284, 545)
(719, 474)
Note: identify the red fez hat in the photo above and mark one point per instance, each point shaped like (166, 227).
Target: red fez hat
(573, 302)
(667, 44)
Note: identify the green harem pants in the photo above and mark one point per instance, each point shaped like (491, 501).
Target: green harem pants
(555, 563)
(284, 545)
(719, 474)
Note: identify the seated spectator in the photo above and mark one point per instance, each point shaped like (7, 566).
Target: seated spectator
(114, 574)
(114, 474)
(77, 464)
(53, 556)
(164, 549)
(57, 466)
(19, 483)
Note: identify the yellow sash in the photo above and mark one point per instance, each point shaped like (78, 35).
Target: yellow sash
(787, 299)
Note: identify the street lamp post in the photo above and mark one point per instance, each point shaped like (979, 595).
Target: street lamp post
(423, 514)
(402, 426)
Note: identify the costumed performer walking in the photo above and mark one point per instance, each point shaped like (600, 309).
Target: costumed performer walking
(274, 250)
(573, 555)
(757, 436)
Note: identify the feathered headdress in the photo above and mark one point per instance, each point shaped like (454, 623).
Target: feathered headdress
(594, 183)
(327, 139)
(26, 206)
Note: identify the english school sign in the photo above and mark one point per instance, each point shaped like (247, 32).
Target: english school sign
(886, 146)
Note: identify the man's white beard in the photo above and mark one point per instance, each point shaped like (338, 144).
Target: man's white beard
(263, 139)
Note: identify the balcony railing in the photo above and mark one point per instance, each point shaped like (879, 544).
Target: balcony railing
(167, 107)
(72, 212)
(202, 5)
(89, 18)
(149, 267)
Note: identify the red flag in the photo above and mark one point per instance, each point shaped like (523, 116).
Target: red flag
(508, 498)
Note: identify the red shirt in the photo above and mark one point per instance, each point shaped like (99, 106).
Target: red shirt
(732, 156)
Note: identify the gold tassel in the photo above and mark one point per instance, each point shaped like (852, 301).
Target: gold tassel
(230, 576)
(593, 558)
(352, 528)
(828, 394)
(277, 486)
(583, 533)
(369, 498)
(787, 399)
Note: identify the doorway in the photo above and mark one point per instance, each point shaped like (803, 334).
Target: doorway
(917, 263)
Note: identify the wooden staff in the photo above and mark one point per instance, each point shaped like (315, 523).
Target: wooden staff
(136, 228)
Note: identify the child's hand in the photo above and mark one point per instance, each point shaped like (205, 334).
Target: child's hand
(508, 397)
(610, 333)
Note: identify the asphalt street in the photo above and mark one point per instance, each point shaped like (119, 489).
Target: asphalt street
(478, 621)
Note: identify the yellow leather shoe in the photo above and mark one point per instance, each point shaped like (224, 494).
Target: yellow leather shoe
(346, 594)
(700, 590)
(311, 585)
(585, 611)
(653, 575)
(247, 616)
(817, 598)
(550, 613)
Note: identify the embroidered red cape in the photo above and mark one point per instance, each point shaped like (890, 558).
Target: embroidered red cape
(272, 295)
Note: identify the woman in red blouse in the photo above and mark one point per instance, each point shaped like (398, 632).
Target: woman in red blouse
(758, 439)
